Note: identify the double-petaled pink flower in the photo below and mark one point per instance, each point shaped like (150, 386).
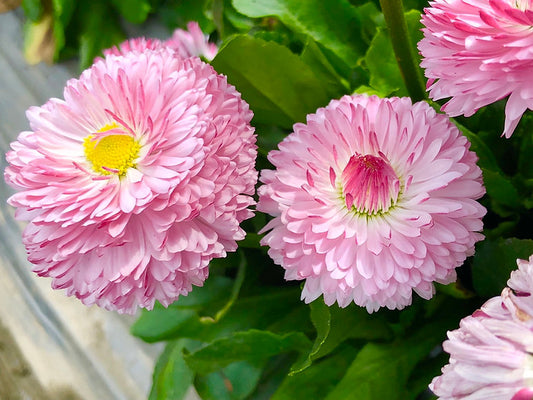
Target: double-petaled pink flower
(186, 43)
(136, 180)
(491, 354)
(478, 52)
(372, 199)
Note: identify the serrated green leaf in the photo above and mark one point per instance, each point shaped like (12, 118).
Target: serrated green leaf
(277, 84)
(135, 11)
(253, 346)
(493, 262)
(235, 382)
(334, 24)
(172, 377)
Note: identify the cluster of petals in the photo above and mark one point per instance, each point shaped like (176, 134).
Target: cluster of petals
(136, 180)
(478, 52)
(186, 43)
(372, 198)
(491, 354)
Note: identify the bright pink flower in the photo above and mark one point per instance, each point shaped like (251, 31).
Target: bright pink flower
(491, 352)
(135, 181)
(478, 52)
(186, 43)
(372, 198)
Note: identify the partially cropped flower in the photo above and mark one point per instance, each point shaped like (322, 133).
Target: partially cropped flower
(491, 354)
(478, 52)
(372, 198)
(186, 43)
(135, 181)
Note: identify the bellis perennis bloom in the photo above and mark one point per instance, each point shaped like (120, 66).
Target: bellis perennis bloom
(186, 43)
(491, 354)
(372, 198)
(478, 52)
(135, 181)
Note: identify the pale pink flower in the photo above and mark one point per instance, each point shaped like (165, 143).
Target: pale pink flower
(491, 352)
(135, 181)
(186, 43)
(372, 198)
(478, 52)
(192, 42)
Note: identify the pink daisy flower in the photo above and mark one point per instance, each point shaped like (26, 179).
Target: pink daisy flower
(372, 199)
(478, 52)
(186, 43)
(135, 181)
(491, 352)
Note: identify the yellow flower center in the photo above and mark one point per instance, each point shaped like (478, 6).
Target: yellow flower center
(113, 153)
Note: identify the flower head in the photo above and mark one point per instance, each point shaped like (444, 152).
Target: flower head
(371, 199)
(135, 181)
(491, 352)
(478, 52)
(186, 43)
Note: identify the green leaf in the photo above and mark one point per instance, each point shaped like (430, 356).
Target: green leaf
(455, 289)
(276, 83)
(334, 24)
(135, 11)
(381, 370)
(97, 33)
(385, 75)
(493, 262)
(258, 311)
(235, 382)
(172, 377)
(33, 9)
(63, 10)
(253, 346)
(334, 325)
(315, 58)
(178, 13)
(239, 279)
(317, 380)
(162, 323)
(501, 189)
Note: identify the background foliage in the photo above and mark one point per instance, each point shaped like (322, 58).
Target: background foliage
(246, 334)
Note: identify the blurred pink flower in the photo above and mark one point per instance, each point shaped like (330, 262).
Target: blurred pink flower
(372, 198)
(186, 43)
(192, 42)
(135, 181)
(491, 352)
(478, 52)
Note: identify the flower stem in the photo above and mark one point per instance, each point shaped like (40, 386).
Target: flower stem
(395, 19)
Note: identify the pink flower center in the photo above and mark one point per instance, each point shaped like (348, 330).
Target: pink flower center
(369, 184)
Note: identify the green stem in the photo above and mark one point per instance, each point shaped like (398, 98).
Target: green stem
(395, 19)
